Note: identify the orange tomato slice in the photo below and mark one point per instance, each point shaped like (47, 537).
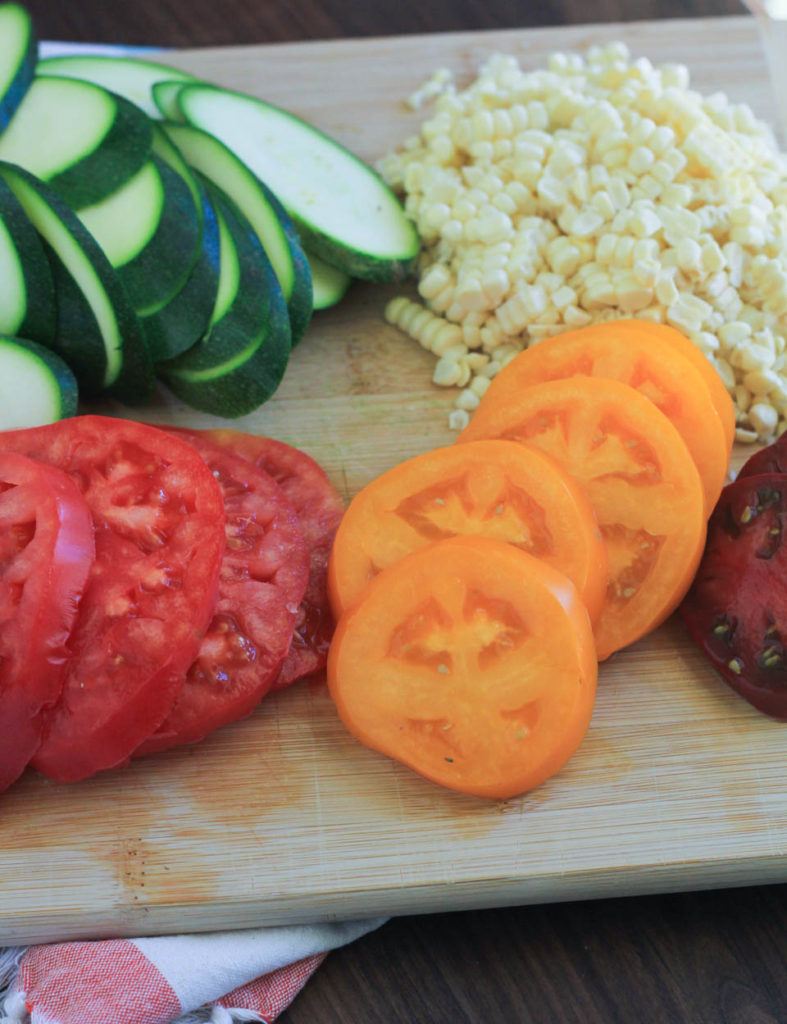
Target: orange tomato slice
(496, 489)
(470, 661)
(644, 360)
(641, 481)
(719, 394)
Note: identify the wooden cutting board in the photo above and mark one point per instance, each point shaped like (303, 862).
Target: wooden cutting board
(285, 818)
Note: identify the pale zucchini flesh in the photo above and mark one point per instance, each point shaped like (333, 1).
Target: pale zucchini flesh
(36, 386)
(170, 154)
(151, 233)
(165, 98)
(27, 294)
(80, 139)
(129, 77)
(56, 125)
(330, 284)
(18, 55)
(126, 221)
(240, 361)
(180, 324)
(229, 272)
(268, 219)
(344, 212)
(97, 331)
(13, 294)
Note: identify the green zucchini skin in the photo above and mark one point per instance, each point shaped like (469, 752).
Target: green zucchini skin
(301, 302)
(330, 283)
(226, 171)
(240, 361)
(85, 172)
(166, 150)
(54, 374)
(355, 223)
(165, 99)
(37, 319)
(115, 358)
(357, 265)
(127, 76)
(181, 323)
(159, 271)
(14, 16)
(124, 149)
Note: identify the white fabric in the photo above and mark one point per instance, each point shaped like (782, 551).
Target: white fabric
(203, 967)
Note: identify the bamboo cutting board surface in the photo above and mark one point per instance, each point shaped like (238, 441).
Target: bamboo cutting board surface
(285, 818)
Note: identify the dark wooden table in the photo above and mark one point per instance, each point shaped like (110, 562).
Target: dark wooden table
(711, 957)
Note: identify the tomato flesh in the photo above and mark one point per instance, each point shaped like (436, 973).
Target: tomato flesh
(641, 481)
(499, 489)
(158, 517)
(772, 459)
(652, 366)
(319, 509)
(262, 580)
(736, 610)
(471, 662)
(46, 552)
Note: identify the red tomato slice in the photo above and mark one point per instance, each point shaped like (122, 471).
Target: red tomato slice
(158, 516)
(319, 509)
(736, 609)
(772, 459)
(46, 551)
(262, 580)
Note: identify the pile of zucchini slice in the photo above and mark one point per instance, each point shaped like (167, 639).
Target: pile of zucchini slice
(155, 226)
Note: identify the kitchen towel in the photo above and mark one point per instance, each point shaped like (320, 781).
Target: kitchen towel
(220, 977)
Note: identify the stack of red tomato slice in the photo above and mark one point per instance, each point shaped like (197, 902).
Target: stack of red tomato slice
(155, 584)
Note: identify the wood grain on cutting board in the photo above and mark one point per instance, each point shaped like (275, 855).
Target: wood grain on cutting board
(283, 817)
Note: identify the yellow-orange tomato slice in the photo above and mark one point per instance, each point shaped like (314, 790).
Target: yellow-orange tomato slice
(641, 481)
(719, 394)
(470, 661)
(498, 489)
(624, 351)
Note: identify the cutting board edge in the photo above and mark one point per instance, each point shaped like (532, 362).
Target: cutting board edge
(478, 894)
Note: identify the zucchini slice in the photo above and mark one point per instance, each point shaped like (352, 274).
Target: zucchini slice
(165, 99)
(265, 214)
(330, 284)
(151, 234)
(180, 324)
(344, 212)
(97, 331)
(36, 386)
(125, 76)
(27, 294)
(242, 358)
(80, 139)
(167, 151)
(18, 55)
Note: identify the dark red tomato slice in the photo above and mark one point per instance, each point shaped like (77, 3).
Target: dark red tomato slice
(772, 459)
(319, 510)
(262, 580)
(736, 609)
(158, 516)
(46, 551)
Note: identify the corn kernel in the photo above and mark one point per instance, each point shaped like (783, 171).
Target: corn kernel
(458, 419)
(764, 419)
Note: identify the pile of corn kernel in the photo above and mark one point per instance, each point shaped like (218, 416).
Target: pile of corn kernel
(600, 187)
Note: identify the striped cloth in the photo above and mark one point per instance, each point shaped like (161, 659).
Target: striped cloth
(219, 977)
